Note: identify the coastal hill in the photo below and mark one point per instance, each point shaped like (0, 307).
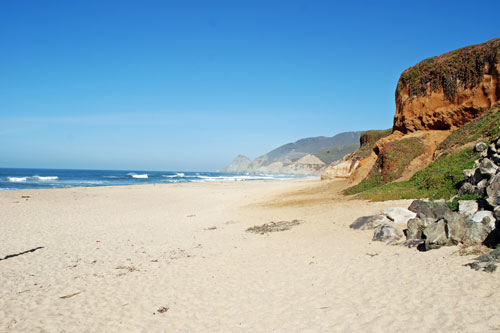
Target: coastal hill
(444, 105)
(305, 156)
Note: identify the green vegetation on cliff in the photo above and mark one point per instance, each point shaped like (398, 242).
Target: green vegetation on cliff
(438, 180)
(390, 164)
(442, 178)
(368, 139)
(464, 67)
(485, 127)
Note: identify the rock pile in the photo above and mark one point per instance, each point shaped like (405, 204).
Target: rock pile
(385, 224)
(436, 225)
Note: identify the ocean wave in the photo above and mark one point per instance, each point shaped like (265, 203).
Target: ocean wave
(178, 174)
(232, 178)
(140, 176)
(16, 179)
(45, 178)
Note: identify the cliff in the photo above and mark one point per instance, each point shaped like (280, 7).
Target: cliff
(443, 105)
(445, 92)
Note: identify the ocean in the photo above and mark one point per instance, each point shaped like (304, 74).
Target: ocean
(16, 179)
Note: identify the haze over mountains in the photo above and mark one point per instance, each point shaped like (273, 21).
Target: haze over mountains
(305, 156)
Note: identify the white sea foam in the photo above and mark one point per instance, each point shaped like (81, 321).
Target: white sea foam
(141, 176)
(178, 174)
(16, 179)
(234, 178)
(45, 178)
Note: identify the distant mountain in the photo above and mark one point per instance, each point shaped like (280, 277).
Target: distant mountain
(294, 151)
(239, 165)
(305, 156)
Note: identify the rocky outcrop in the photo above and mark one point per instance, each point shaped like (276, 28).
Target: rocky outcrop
(238, 165)
(445, 92)
(340, 169)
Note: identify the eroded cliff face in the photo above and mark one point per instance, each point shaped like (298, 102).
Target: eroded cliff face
(445, 92)
(433, 98)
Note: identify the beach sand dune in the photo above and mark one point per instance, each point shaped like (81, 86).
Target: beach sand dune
(177, 257)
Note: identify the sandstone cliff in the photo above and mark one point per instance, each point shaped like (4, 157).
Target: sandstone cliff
(433, 98)
(445, 92)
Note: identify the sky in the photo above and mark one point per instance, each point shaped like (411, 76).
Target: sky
(188, 85)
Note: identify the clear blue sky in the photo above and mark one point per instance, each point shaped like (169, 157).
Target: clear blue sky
(188, 85)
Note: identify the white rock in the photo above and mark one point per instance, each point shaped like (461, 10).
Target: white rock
(467, 207)
(399, 215)
(480, 215)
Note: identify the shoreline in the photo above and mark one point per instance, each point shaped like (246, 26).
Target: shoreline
(113, 257)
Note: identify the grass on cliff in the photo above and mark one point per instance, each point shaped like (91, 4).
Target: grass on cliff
(390, 164)
(368, 139)
(464, 67)
(440, 179)
(485, 126)
(329, 155)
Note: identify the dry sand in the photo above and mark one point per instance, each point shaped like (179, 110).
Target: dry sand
(177, 258)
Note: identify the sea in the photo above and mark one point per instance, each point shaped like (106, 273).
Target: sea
(17, 179)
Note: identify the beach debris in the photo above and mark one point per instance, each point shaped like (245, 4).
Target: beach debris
(128, 269)
(274, 226)
(211, 228)
(163, 309)
(191, 215)
(25, 196)
(486, 262)
(71, 295)
(21, 253)
(372, 254)
(472, 249)
(387, 233)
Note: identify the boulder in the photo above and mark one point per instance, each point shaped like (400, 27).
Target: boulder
(479, 217)
(480, 147)
(496, 213)
(493, 191)
(492, 149)
(435, 235)
(467, 207)
(399, 215)
(468, 173)
(495, 158)
(476, 232)
(387, 233)
(416, 226)
(440, 211)
(455, 228)
(369, 222)
(467, 188)
(481, 187)
(487, 168)
(421, 208)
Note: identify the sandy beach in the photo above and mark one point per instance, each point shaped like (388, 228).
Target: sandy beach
(177, 257)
